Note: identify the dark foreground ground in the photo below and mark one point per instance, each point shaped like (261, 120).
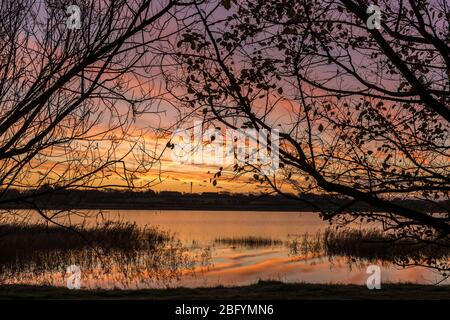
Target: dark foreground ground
(261, 290)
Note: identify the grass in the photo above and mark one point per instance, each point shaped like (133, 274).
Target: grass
(375, 245)
(24, 239)
(249, 241)
(23, 243)
(369, 245)
(263, 290)
(41, 252)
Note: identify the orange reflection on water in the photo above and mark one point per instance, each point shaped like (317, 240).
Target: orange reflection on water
(236, 265)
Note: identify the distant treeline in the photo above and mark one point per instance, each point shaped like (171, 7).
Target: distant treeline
(47, 198)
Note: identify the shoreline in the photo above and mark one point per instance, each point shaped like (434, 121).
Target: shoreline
(169, 208)
(171, 200)
(263, 290)
(235, 208)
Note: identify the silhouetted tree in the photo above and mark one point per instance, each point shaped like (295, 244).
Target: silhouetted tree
(69, 98)
(363, 112)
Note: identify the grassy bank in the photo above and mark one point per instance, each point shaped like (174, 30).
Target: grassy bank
(270, 290)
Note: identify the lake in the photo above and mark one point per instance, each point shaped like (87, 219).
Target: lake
(219, 260)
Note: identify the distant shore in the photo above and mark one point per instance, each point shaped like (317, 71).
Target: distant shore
(168, 207)
(171, 200)
(262, 290)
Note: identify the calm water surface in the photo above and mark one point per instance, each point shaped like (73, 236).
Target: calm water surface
(240, 265)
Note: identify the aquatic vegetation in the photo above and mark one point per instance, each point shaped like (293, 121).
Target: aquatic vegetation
(249, 241)
(117, 252)
(372, 245)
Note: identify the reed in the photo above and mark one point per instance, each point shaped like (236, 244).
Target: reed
(112, 248)
(375, 244)
(368, 245)
(249, 241)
